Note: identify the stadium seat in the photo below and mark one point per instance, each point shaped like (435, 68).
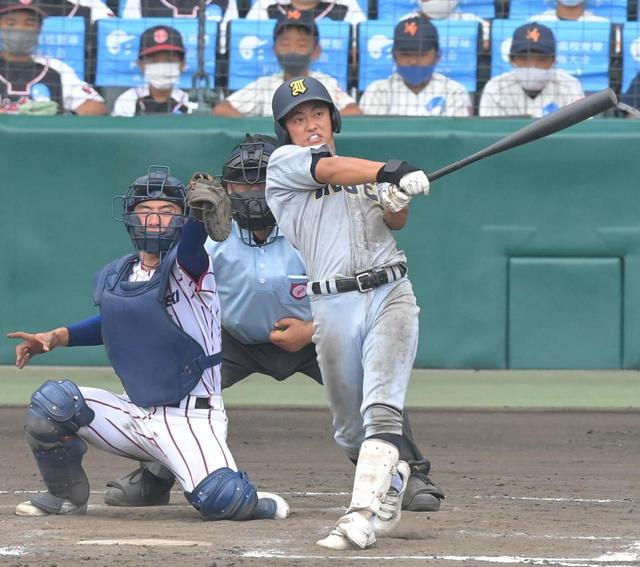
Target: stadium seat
(119, 41)
(251, 51)
(615, 10)
(63, 38)
(630, 53)
(396, 9)
(582, 50)
(458, 42)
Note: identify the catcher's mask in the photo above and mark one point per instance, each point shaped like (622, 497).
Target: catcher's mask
(144, 229)
(247, 166)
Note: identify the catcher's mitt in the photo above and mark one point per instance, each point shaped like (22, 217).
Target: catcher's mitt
(210, 203)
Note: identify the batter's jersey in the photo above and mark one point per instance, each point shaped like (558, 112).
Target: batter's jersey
(551, 16)
(440, 97)
(42, 79)
(342, 10)
(255, 98)
(138, 102)
(504, 96)
(338, 230)
(258, 285)
(195, 308)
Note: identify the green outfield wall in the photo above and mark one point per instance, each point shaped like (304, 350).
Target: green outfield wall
(529, 259)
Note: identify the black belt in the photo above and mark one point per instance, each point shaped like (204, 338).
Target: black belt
(199, 403)
(362, 281)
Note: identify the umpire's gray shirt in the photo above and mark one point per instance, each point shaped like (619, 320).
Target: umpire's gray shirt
(338, 230)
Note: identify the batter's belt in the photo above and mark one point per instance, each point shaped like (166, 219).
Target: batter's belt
(361, 281)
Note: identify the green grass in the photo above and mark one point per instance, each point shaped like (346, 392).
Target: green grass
(428, 388)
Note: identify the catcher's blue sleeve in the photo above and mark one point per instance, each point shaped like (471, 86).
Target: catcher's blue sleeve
(192, 256)
(87, 332)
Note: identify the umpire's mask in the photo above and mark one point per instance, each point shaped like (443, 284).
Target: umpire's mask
(143, 229)
(244, 175)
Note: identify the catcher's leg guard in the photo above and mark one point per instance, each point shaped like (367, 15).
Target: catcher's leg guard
(374, 472)
(229, 495)
(56, 412)
(148, 485)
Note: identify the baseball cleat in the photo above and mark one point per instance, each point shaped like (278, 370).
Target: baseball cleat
(28, 508)
(422, 494)
(390, 511)
(353, 531)
(271, 506)
(139, 488)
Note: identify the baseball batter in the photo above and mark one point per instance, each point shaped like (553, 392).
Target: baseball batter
(160, 324)
(339, 213)
(266, 320)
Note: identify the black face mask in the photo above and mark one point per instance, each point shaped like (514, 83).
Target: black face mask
(294, 63)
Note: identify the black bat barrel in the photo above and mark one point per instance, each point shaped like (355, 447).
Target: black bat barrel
(559, 120)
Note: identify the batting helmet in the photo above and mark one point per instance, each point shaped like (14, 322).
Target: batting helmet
(247, 165)
(158, 185)
(293, 92)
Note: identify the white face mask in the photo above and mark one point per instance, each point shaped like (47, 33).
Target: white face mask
(532, 78)
(438, 9)
(162, 75)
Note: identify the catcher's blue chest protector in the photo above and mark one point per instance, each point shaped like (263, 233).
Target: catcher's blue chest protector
(157, 362)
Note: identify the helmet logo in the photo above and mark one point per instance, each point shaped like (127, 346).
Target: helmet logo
(294, 15)
(160, 36)
(297, 87)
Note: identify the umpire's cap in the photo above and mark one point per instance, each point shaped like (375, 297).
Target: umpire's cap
(294, 92)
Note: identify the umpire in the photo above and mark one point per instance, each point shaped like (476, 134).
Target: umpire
(270, 337)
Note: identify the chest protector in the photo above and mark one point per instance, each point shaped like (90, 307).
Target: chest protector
(156, 361)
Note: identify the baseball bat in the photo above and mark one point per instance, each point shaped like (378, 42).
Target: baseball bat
(559, 120)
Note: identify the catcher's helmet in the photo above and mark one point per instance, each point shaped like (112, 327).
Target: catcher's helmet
(293, 92)
(247, 165)
(159, 185)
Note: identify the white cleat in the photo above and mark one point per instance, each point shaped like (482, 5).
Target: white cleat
(353, 531)
(391, 509)
(29, 509)
(282, 508)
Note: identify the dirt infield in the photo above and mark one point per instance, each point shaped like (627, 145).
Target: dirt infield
(535, 488)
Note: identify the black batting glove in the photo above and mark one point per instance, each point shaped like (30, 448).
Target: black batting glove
(394, 170)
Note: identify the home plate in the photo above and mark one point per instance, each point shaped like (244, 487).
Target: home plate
(148, 542)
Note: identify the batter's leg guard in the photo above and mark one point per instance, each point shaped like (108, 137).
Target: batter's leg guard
(226, 494)
(56, 412)
(148, 485)
(376, 467)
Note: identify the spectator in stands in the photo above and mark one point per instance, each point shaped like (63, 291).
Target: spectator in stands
(217, 10)
(632, 95)
(296, 44)
(161, 59)
(34, 84)
(568, 10)
(415, 89)
(341, 10)
(534, 87)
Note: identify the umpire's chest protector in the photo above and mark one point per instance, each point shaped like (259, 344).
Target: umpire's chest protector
(157, 362)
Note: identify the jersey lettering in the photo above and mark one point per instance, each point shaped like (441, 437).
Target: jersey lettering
(172, 298)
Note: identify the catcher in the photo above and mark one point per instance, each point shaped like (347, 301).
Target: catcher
(159, 322)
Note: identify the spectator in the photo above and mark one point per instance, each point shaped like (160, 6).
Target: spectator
(217, 10)
(296, 45)
(161, 58)
(415, 89)
(568, 10)
(31, 83)
(341, 10)
(632, 96)
(534, 87)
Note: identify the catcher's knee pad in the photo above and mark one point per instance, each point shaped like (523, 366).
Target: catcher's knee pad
(56, 412)
(224, 495)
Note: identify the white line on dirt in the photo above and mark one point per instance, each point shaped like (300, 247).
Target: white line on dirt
(543, 536)
(146, 542)
(554, 499)
(11, 550)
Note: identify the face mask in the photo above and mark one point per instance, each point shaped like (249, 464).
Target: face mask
(415, 75)
(438, 9)
(294, 63)
(532, 78)
(19, 42)
(571, 3)
(162, 75)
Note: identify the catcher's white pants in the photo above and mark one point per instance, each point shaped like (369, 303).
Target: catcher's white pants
(366, 345)
(190, 442)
